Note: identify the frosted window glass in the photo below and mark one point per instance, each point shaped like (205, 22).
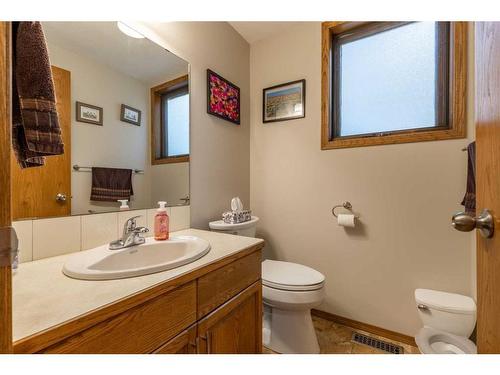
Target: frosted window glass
(388, 81)
(178, 125)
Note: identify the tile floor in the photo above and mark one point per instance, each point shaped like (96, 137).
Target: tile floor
(336, 339)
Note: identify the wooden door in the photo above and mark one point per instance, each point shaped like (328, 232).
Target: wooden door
(235, 327)
(5, 215)
(488, 183)
(184, 343)
(35, 189)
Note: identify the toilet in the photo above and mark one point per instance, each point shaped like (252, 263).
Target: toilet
(289, 292)
(448, 319)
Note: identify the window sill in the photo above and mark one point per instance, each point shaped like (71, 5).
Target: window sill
(406, 137)
(171, 160)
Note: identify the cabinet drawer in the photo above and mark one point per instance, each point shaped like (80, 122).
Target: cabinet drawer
(220, 285)
(141, 329)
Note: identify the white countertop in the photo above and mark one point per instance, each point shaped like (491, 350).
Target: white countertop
(44, 297)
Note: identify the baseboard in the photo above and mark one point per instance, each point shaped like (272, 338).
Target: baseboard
(365, 327)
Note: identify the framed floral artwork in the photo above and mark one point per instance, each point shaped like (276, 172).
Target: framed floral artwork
(223, 98)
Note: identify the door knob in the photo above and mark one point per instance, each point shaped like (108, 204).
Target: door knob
(466, 223)
(60, 197)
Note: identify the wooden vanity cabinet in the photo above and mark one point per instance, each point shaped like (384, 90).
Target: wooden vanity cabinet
(235, 327)
(185, 342)
(214, 309)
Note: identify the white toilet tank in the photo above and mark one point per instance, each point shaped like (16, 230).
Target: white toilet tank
(246, 228)
(449, 312)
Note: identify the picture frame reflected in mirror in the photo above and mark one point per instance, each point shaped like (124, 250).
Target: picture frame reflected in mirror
(130, 115)
(89, 113)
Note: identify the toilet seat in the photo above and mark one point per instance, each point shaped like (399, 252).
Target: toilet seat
(433, 341)
(292, 288)
(290, 276)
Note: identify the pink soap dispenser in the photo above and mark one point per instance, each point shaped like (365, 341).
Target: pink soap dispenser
(161, 222)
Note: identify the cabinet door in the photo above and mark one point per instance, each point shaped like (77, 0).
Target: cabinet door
(183, 343)
(236, 326)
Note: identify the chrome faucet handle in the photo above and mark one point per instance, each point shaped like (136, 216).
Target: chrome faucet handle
(134, 237)
(130, 225)
(131, 235)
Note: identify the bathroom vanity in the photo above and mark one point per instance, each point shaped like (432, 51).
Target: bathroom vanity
(213, 305)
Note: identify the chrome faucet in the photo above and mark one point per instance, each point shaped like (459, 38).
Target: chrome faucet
(131, 235)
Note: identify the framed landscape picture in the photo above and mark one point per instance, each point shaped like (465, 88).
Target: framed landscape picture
(284, 102)
(88, 113)
(223, 98)
(130, 115)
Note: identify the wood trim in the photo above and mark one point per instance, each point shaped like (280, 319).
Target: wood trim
(171, 160)
(156, 128)
(487, 54)
(166, 86)
(5, 188)
(458, 94)
(48, 337)
(391, 335)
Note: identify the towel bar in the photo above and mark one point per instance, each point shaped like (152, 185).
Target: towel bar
(81, 168)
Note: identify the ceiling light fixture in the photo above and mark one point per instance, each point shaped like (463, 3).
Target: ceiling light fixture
(129, 31)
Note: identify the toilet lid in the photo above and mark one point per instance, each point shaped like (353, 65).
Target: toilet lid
(444, 301)
(221, 225)
(434, 341)
(290, 276)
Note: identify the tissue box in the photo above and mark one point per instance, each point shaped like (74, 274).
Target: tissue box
(233, 217)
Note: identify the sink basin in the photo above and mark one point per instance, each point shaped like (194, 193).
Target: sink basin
(153, 256)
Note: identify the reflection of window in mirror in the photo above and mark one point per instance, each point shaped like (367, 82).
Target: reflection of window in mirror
(170, 121)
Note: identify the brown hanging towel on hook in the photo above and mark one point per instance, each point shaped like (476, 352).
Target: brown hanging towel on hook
(35, 124)
(469, 200)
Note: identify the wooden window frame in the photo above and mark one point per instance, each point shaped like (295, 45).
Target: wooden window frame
(157, 128)
(456, 100)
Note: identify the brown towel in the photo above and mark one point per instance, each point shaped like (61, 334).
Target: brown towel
(469, 200)
(35, 124)
(111, 184)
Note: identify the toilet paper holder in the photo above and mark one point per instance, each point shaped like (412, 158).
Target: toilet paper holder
(347, 205)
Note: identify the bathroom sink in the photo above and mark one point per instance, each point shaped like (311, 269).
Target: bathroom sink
(153, 256)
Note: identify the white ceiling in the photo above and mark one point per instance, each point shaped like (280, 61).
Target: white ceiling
(104, 42)
(258, 30)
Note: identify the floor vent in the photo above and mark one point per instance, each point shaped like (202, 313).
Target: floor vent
(376, 343)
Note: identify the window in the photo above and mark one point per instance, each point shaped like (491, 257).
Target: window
(392, 82)
(170, 122)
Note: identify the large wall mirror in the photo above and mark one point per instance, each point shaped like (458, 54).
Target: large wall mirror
(123, 103)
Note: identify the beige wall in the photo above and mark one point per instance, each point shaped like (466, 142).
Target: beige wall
(116, 144)
(169, 182)
(220, 151)
(405, 193)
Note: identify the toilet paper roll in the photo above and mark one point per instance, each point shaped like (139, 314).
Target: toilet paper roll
(346, 220)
